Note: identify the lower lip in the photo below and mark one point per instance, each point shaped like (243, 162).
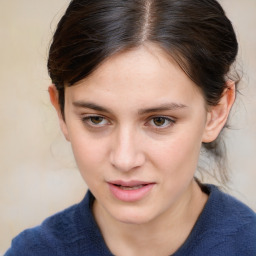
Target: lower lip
(130, 195)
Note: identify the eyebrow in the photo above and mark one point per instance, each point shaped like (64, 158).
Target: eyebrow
(90, 105)
(162, 107)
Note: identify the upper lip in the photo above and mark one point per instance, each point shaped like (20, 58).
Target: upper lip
(131, 183)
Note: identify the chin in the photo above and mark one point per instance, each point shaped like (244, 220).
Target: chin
(134, 217)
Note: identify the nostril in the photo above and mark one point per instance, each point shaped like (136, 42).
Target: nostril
(126, 155)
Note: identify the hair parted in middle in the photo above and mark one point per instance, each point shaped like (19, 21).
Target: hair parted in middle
(195, 33)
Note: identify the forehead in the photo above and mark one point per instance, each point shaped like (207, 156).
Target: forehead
(138, 76)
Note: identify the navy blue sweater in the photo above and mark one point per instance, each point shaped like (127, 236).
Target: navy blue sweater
(226, 227)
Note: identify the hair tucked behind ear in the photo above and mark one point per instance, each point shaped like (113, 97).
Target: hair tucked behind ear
(196, 33)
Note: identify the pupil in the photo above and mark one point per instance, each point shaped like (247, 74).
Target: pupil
(159, 121)
(96, 119)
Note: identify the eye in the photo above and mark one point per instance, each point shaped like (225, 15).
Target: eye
(161, 122)
(95, 120)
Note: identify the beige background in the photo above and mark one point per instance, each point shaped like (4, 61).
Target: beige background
(37, 173)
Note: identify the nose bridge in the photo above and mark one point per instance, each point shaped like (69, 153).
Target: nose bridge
(126, 152)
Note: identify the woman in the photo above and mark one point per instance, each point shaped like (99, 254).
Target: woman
(140, 86)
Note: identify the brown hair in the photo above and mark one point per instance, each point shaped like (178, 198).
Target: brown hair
(196, 33)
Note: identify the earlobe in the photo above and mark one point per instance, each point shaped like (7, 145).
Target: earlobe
(217, 115)
(54, 98)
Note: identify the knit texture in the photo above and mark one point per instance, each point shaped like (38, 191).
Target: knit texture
(226, 227)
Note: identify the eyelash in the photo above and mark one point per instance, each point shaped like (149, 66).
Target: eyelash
(170, 121)
(88, 121)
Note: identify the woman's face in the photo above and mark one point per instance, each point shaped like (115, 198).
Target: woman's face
(136, 126)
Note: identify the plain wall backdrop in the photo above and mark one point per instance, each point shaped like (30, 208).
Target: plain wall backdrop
(38, 176)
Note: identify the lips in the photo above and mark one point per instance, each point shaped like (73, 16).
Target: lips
(130, 191)
(130, 188)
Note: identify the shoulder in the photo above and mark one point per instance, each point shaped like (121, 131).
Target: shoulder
(227, 225)
(65, 233)
(238, 222)
(229, 210)
(47, 237)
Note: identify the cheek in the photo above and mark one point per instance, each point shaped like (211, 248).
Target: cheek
(89, 153)
(178, 155)
(89, 160)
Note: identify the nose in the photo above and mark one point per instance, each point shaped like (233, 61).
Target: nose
(127, 153)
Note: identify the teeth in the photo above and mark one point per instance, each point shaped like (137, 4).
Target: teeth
(131, 188)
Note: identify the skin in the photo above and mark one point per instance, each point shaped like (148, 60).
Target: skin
(152, 131)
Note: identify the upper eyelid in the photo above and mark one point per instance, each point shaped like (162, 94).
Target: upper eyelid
(93, 115)
(171, 119)
(148, 118)
(167, 118)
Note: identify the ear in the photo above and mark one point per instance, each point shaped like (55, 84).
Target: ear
(217, 115)
(54, 97)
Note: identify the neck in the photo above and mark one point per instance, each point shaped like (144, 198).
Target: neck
(161, 236)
